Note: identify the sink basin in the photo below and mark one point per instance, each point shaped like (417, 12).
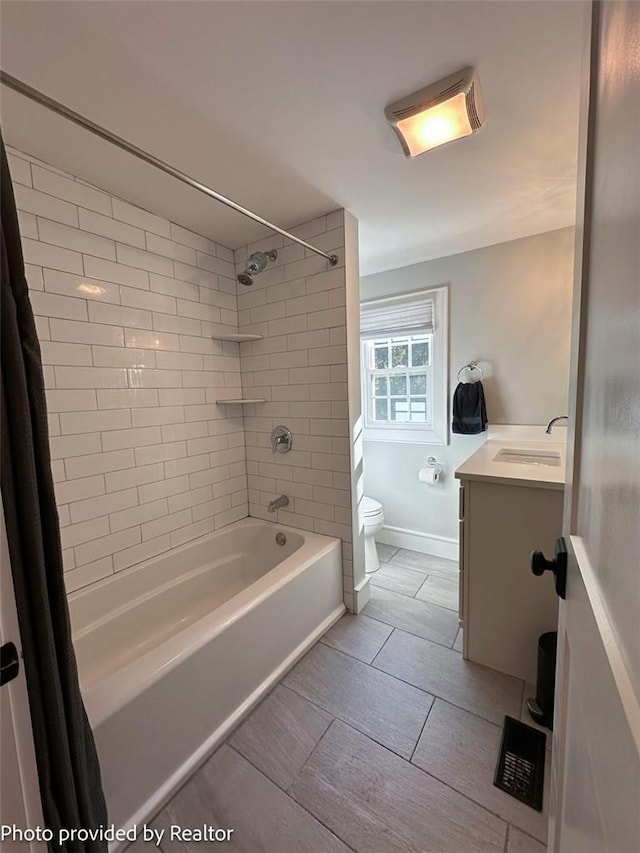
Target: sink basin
(519, 456)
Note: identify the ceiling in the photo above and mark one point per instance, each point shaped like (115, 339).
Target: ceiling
(280, 105)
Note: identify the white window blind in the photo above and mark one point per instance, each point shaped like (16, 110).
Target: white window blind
(397, 315)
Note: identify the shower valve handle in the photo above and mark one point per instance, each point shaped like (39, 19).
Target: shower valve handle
(281, 439)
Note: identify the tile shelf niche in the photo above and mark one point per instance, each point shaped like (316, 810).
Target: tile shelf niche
(237, 338)
(239, 402)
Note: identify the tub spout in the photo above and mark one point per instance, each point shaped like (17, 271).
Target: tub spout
(280, 501)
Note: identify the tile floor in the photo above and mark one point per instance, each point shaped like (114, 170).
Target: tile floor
(380, 739)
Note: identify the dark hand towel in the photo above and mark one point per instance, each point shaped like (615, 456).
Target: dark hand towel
(469, 409)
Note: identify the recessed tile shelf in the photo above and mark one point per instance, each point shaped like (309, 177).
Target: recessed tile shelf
(237, 338)
(239, 402)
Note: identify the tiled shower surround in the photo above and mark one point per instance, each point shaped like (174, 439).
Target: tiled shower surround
(126, 304)
(300, 369)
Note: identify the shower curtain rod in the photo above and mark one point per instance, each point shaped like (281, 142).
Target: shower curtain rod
(98, 130)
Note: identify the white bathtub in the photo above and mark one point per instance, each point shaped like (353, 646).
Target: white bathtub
(174, 652)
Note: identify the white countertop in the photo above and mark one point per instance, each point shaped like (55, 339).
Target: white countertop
(482, 465)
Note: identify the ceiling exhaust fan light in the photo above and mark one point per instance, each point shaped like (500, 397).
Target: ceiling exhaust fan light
(435, 126)
(447, 110)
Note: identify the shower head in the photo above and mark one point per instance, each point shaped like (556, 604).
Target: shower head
(255, 264)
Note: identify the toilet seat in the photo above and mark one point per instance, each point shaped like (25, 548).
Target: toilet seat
(371, 507)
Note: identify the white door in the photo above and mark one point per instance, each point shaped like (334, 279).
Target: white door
(19, 791)
(596, 764)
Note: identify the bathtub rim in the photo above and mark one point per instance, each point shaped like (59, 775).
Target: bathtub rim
(106, 696)
(89, 591)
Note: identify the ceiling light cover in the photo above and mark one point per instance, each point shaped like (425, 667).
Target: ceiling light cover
(446, 110)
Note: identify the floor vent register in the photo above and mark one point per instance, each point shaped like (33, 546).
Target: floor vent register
(520, 768)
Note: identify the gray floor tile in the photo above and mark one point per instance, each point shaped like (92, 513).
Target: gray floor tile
(461, 750)
(189, 805)
(426, 563)
(418, 617)
(520, 843)
(140, 846)
(280, 734)
(379, 803)
(398, 578)
(441, 591)
(228, 792)
(178, 812)
(374, 800)
(457, 646)
(386, 552)
(444, 673)
(376, 704)
(358, 636)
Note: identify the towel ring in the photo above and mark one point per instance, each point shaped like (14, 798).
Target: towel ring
(471, 367)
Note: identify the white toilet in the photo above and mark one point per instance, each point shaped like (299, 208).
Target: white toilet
(373, 521)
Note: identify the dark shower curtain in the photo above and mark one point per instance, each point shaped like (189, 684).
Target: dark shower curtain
(68, 768)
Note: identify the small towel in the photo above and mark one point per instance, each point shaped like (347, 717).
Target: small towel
(469, 409)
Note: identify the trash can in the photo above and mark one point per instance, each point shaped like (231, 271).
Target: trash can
(541, 707)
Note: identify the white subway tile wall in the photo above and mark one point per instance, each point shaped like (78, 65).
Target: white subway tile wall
(126, 303)
(300, 368)
(143, 458)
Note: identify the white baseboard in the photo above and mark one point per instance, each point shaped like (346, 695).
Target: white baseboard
(415, 540)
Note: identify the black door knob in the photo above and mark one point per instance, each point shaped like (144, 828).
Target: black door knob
(9, 663)
(540, 565)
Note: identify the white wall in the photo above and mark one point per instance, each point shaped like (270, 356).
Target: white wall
(125, 305)
(509, 309)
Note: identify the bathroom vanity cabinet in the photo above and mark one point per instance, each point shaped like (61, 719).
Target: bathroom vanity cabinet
(503, 518)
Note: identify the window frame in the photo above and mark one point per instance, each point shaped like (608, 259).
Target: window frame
(437, 430)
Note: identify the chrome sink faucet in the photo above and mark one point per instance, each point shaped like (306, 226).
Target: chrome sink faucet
(553, 421)
(278, 503)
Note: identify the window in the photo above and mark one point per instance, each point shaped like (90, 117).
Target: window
(404, 368)
(399, 374)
